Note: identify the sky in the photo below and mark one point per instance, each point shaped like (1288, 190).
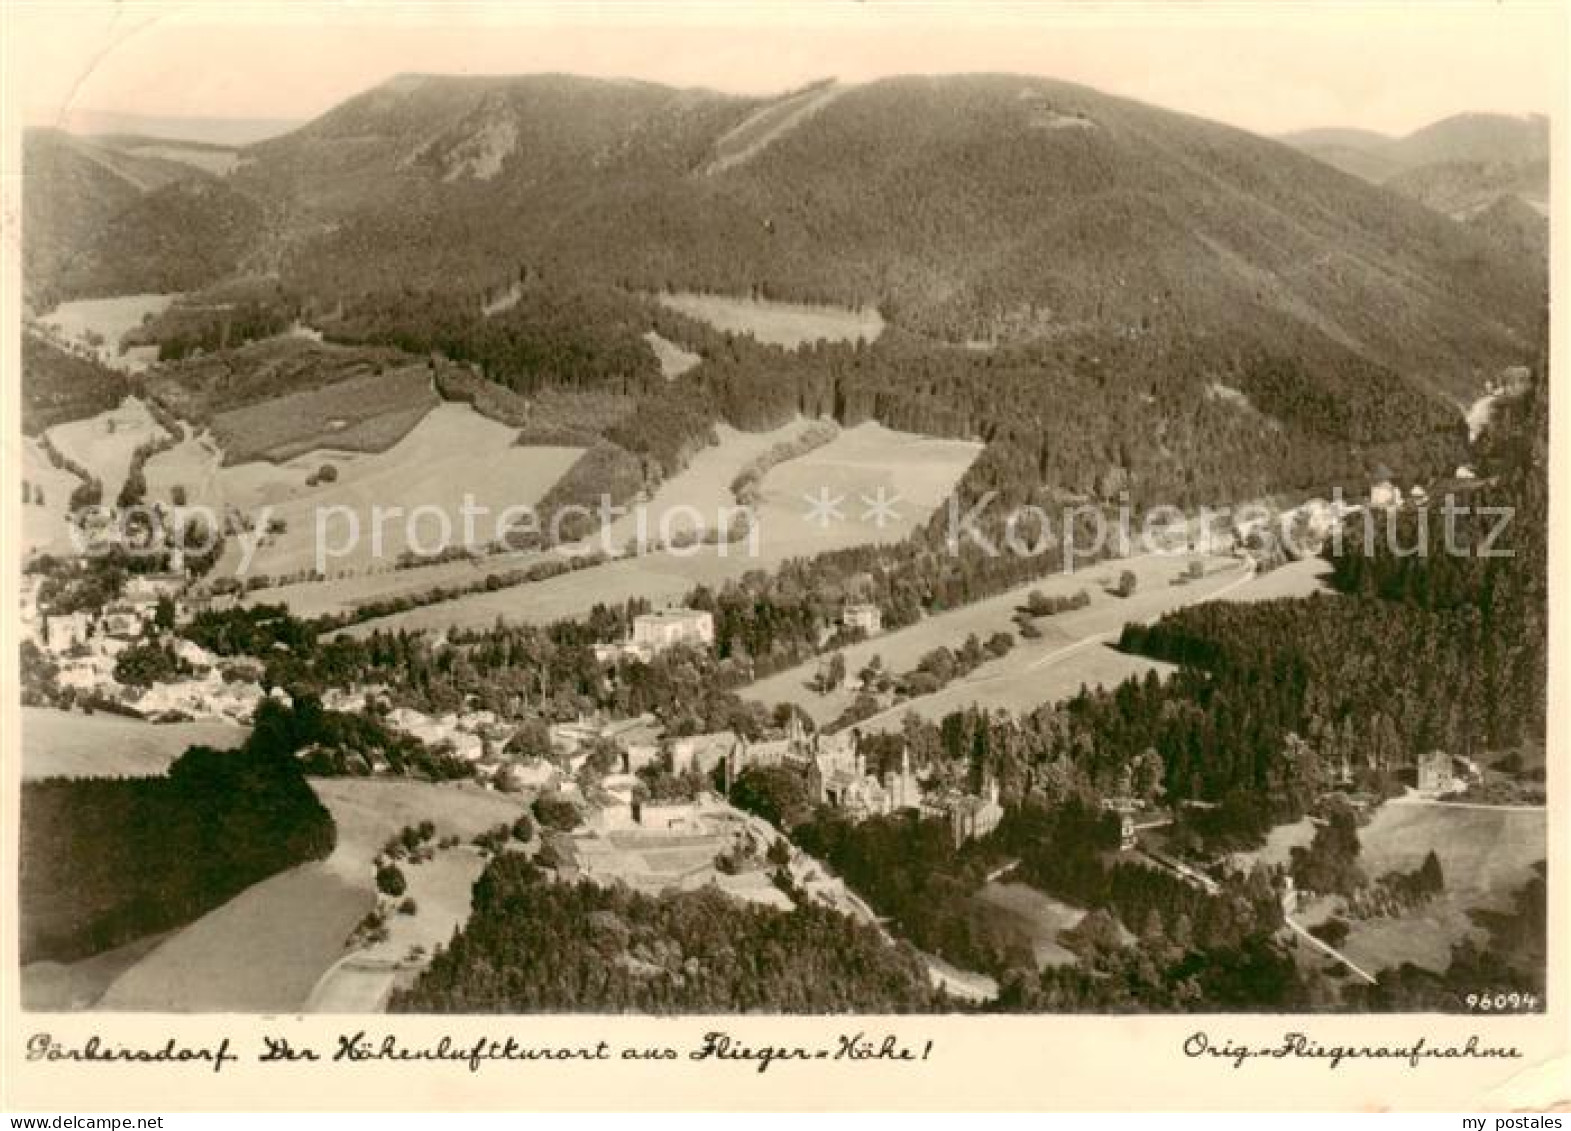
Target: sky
(1267, 67)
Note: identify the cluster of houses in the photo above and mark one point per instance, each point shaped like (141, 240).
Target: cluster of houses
(833, 767)
(835, 773)
(85, 646)
(1386, 495)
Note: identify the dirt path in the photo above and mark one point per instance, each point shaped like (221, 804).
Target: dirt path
(1322, 945)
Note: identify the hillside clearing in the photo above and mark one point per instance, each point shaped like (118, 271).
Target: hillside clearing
(674, 360)
(694, 498)
(98, 324)
(765, 126)
(195, 465)
(787, 324)
(1486, 855)
(889, 483)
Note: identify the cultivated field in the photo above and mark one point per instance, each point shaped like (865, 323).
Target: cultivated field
(73, 745)
(368, 413)
(452, 453)
(104, 444)
(787, 324)
(100, 323)
(1073, 651)
(44, 526)
(1486, 855)
(267, 949)
(859, 460)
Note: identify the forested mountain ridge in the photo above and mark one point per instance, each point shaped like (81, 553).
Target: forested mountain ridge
(1471, 167)
(116, 215)
(971, 208)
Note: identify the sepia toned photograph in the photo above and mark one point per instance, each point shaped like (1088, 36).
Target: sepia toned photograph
(645, 514)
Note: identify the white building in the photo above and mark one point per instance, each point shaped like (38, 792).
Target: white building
(64, 632)
(146, 588)
(1385, 495)
(668, 628)
(868, 618)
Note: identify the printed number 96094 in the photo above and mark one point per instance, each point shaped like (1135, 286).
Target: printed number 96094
(1501, 1003)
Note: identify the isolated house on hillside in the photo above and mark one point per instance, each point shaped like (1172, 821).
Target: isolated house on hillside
(1385, 495)
(1434, 772)
(668, 628)
(868, 618)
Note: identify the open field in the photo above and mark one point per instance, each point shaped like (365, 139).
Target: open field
(67, 986)
(1280, 842)
(367, 413)
(104, 444)
(861, 458)
(704, 486)
(1486, 855)
(452, 453)
(361, 981)
(1038, 917)
(266, 949)
(100, 323)
(195, 464)
(1295, 579)
(70, 744)
(787, 324)
(341, 595)
(863, 466)
(44, 526)
(674, 360)
(1072, 650)
(660, 578)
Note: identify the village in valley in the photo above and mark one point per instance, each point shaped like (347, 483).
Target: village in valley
(619, 801)
(829, 753)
